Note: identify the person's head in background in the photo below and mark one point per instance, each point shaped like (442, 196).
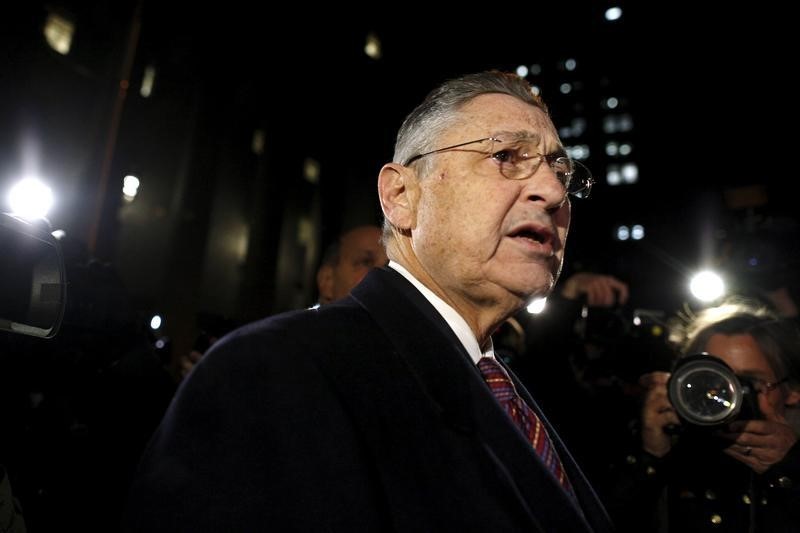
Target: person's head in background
(756, 344)
(347, 260)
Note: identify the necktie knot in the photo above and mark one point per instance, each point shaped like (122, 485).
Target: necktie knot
(498, 380)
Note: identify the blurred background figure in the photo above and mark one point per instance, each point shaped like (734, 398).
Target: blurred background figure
(344, 264)
(347, 260)
(739, 475)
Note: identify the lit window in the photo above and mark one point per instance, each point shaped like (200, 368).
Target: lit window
(130, 187)
(630, 172)
(579, 151)
(148, 79)
(258, 142)
(613, 176)
(58, 33)
(311, 170)
(373, 46)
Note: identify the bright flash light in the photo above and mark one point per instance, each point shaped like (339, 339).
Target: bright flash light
(537, 306)
(707, 286)
(30, 198)
(155, 322)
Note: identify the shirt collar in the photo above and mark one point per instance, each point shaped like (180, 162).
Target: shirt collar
(450, 315)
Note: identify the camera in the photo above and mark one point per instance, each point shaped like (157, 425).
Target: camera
(32, 279)
(705, 392)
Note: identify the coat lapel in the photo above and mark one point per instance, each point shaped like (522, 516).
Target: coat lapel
(455, 389)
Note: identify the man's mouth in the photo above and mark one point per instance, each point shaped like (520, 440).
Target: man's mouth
(534, 233)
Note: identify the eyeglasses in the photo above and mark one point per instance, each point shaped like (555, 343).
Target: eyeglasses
(764, 387)
(516, 158)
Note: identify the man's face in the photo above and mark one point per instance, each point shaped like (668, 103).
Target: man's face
(360, 250)
(482, 236)
(742, 354)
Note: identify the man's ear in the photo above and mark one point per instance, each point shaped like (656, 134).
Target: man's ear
(398, 191)
(325, 284)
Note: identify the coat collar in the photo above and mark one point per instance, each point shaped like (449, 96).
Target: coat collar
(456, 391)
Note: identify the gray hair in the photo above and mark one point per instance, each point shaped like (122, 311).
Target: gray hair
(441, 108)
(778, 339)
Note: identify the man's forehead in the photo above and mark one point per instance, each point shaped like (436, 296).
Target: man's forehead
(492, 114)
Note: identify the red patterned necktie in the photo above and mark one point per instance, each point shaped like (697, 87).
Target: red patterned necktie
(523, 416)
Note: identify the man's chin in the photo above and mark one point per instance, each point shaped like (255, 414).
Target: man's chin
(528, 289)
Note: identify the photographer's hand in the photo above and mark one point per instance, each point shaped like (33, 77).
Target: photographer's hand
(657, 414)
(759, 443)
(600, 290)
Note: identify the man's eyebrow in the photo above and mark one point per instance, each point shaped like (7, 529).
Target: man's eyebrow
(529, 136)
(517, 136)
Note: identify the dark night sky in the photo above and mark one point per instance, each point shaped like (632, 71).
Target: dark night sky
(708, 90)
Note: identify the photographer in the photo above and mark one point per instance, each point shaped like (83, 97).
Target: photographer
(743, 475)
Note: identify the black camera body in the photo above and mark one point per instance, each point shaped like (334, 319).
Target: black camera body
(705, 392)
(33, 283)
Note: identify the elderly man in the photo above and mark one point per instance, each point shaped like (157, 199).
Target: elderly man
(386, 411)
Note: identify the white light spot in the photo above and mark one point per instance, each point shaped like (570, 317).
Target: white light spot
(537, 306)
(613, 177)
(707, 286)
(130, 187)
(630, 172)
(613, 13)
(30, 198)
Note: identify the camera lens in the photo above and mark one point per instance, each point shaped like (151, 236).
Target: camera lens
(705, 391)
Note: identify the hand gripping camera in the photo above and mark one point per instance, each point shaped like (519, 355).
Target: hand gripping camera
(704, 391)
